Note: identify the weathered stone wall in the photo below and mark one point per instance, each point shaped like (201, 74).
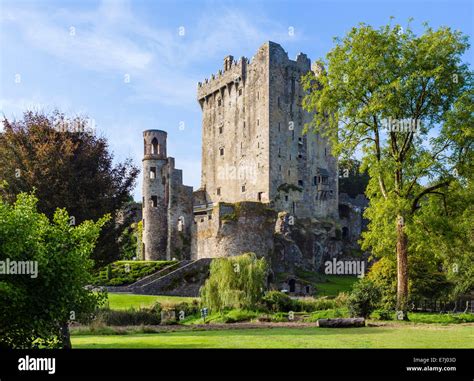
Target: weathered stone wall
(252, 137)
(166, 221)
(233, 229)
(297, 160)
(234, 104)
(155, 228)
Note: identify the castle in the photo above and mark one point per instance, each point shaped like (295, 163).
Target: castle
(260, 172)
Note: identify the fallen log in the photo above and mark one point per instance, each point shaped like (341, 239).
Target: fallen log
(341, 322)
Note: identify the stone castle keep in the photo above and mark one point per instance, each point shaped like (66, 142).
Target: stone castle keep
(261, 176)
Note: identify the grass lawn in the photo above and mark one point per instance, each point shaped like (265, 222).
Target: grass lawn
(118, 301)
(417, 336)
(335, 284)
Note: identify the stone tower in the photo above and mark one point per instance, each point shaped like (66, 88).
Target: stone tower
(154, 195)
(167, 203)
(253, 146)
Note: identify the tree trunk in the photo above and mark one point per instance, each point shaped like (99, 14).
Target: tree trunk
(65, 336)
(402, 270)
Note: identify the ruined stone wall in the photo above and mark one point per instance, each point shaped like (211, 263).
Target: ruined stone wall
(233, 229)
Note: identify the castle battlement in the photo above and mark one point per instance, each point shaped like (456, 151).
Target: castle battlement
(232, 73)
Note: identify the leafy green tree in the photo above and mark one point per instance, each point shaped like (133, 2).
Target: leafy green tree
(402, 101)
(35, 310)
(351, 180)
(235, 282)
(67, 166)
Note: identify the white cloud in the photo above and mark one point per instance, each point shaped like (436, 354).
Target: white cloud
(161, 64)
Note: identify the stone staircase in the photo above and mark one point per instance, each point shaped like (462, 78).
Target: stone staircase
(181, 279)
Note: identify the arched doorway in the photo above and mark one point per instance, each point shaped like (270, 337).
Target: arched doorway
(292, 285)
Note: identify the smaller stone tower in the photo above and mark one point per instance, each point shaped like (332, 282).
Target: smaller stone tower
(155, 222)
(167, 203)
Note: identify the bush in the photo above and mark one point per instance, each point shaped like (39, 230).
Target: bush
(189, 308)
(382, 315)
(234, 316)
(364, 298)
(277, 301)
(128, 317)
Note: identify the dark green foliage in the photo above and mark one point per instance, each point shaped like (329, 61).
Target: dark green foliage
(351, 180)
(364, 298)
(277, 301)
(144, 316)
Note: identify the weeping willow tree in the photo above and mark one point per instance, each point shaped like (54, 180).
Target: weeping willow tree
(235, 282)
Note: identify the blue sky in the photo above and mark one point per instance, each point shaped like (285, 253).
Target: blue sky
(77, 56)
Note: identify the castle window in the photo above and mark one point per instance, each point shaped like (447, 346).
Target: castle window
(180, 223)
(240, 92)
(300, 141)
(258, 95)
(163, 180)
(244, 124)
(221, 151)
(152, 173)
(221, 128)
(279, 167)
(286, 198)
(315, 180)
(290, 156)
(292, 134)
(259, 196)
(243, 188)
(144, 146)
(219, 102)
(258, 122)
(279, 151)
(209, 216)
(154, 147)
(289, 173)
(279, 126)
(218, 191)
(300, 183)
(278, 101)
(294, 207)
(300, 156)
(154, 201)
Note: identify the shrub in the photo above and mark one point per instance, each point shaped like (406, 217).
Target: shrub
(234, 316)
(382, 315)
(364, 298)
(128, 317)
(277, 301)
(235, 282)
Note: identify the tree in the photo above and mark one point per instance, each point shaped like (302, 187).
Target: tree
(401, 100)
(35, 308)
(351, 180)
(69, 167)
(235, 282)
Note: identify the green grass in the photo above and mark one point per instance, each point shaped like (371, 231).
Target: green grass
(119, 301)
(415, 336)
(334, 284)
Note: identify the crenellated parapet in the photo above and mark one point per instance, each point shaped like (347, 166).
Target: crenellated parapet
(232, 73)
